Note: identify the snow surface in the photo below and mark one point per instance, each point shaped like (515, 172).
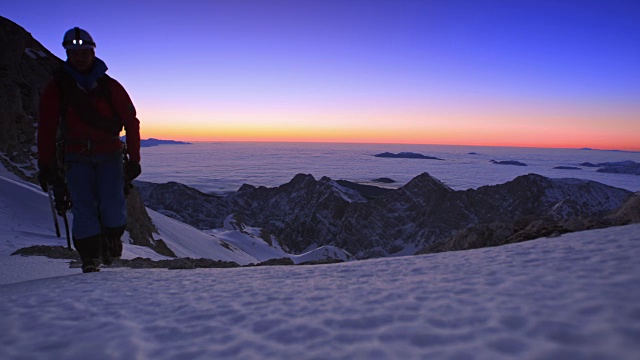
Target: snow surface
(568, 297)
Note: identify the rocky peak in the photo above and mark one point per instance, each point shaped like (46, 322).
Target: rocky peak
(425, 183)
(349, 195)
(300, 180)
(246, 187)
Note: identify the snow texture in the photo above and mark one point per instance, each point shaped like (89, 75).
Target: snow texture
(570, 297)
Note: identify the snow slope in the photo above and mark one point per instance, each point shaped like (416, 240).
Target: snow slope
(568, 297)
(248, 239)
(26, 219)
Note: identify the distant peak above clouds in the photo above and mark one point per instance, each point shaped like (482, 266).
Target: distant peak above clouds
(155, 142)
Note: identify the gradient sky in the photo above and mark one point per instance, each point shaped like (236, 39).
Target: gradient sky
(548, 73)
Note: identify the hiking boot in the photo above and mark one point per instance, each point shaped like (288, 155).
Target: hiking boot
(110, 250)
(105, 251)
(116, 248)
(111, 244)
(90, 265)
(89, 251)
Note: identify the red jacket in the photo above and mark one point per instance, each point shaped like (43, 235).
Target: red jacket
(79, 134)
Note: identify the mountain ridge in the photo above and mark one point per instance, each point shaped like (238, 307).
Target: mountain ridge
(306, 212)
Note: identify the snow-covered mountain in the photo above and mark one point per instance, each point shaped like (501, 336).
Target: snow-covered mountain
(307, 213)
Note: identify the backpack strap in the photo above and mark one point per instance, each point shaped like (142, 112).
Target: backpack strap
(104, 89)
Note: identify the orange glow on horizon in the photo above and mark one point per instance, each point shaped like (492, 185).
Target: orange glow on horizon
(479, 123)
(542, 138)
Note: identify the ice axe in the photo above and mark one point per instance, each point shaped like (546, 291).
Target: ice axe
(66, 229)
(53, 211)
(55, 219)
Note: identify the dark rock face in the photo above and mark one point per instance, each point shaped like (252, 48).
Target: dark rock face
(306, 212)
(53, 252)
(629, 212)
(25, 68)
(140, 226)
(184, 204)
(528, 228)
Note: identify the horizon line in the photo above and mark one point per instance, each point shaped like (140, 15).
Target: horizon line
(392, 143)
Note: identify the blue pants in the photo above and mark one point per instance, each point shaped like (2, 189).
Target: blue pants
(96, 185)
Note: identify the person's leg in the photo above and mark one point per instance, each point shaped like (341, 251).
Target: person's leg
(86, 228)
(112, 203)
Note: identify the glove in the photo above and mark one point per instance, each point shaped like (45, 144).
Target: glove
(62, 198)
(45, 176)
(132, 170)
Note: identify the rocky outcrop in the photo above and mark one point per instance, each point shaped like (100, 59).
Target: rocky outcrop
(629, 212)
(185, 204)
(140, 226)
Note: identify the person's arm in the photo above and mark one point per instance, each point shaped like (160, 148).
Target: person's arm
(127, 112)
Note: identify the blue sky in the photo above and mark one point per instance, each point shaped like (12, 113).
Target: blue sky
(466, 72)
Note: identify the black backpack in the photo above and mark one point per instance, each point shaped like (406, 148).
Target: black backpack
(72, 95)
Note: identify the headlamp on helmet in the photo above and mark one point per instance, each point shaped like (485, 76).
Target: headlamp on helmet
(78, 39)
